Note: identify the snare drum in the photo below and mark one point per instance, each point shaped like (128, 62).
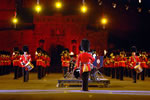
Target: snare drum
(138, 68)
(30, 66)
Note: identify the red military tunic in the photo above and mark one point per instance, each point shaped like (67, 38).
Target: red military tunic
(122, 61)
(47, 61)
(24, 61)
(106, 63)
(65, 61)
(111, 62)
(116, 62)
(143, 62)
(43, 61)
(133, 61)
(39, 60)
(84, 58)
(15, 58)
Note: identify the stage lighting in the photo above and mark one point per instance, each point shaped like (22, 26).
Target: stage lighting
(15, 20)
(104, 21)
(84, 9)
(58, 4)
(38, 8)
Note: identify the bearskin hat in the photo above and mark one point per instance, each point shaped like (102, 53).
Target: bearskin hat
(85, 45)
(133, 49)
(39, 50)
(25, 49)
(15, 49)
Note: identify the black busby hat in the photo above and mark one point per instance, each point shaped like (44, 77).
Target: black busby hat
(85, 45)
(39, 50)
(133, 49)
(25, 48)
(15, 49)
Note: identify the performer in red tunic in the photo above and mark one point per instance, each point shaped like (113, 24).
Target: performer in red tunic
(15, 59)
(38, 58)
(122, 64)
(143, 63)
(65, 58)
(24, 60)
(84, 59)
(134, 60)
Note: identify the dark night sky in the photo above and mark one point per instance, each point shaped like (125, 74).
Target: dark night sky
(126, 28)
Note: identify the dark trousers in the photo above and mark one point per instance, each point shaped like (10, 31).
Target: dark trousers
(130, 73)
(148, 72)
(134, 75)
(65, 70)
(121, 70)
(1, 70)
(20, 72)
(26, 75)
(143, 74)
(39, 72)
(113, 72)
(16, 70)
(117, 73)
(85, 76)
(126, 72)
(108, 71)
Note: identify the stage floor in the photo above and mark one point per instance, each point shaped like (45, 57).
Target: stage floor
(46, 89)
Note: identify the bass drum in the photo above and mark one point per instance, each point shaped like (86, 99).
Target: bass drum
(77, 73)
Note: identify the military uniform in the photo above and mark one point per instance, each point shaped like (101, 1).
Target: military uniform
(122, 65)
(24, 60)
(83, 61)
(143, 63)
(65, 59)
(16, 63)
(39, 58)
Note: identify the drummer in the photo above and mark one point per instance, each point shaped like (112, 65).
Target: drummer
(134, 60)
(24, 60)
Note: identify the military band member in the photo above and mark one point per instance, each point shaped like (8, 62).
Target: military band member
(84, 59)
(143, 63)
(134, 60)
(39, 58)
(116, 65)
(15, 59)
(24, 61)
(65, 59)
(112, 60)
(106, 64)
(122, 64)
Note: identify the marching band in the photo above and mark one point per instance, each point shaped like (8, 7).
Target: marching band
(115, 64)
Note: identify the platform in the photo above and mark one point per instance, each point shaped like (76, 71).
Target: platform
(77, 83)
